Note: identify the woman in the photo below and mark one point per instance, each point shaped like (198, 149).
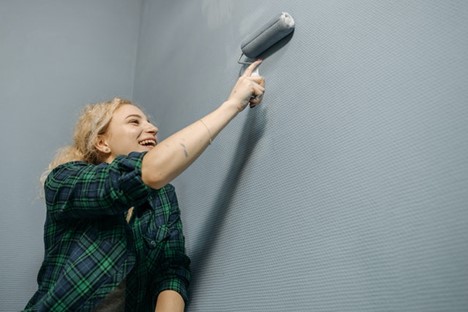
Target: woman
(113, 234)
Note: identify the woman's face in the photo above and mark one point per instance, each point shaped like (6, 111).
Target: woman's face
(129, 131)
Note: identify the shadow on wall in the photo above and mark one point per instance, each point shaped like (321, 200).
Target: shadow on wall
(253, 130)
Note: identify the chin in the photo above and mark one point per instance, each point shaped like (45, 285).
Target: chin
(147, 148)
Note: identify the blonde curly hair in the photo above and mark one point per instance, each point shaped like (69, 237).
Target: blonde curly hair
(93, 121)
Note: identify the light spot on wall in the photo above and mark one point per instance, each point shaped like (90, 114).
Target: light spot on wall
(217, 12)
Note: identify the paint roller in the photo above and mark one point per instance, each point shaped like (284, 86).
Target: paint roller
(258, 42)
(271, 35)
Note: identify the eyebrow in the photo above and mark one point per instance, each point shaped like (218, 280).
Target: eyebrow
(134, 115)
(137, 116)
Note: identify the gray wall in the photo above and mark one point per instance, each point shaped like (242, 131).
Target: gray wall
(55, 56)
(345, 191)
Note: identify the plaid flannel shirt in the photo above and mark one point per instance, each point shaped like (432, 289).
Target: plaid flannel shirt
(90, 248)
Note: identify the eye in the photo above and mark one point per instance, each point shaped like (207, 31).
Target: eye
(134, 122)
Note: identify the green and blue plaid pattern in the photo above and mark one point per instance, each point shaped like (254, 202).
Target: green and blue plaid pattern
(90, 248)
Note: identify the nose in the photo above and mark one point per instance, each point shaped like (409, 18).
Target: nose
(150, 128)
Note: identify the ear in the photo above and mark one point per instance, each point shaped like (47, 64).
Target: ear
(102, 145)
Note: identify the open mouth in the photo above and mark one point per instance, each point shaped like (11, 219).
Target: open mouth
(148, 143)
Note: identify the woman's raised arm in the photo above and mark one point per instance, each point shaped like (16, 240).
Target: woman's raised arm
(173, 155)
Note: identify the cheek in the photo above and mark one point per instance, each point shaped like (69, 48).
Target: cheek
(124, 140)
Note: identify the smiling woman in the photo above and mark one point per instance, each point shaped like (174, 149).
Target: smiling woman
(129, 131)
(113, 233)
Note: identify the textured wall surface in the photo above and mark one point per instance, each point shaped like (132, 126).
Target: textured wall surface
(55, 56)
(347, 189)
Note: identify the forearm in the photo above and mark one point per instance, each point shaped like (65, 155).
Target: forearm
(170, 301)
(174, 154)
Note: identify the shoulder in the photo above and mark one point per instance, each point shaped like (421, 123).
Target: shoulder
(69, 169)
(66, 177)
(121, 175)
(123, 163)
(66, 168)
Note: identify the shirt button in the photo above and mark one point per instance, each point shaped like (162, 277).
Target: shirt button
(153, 243)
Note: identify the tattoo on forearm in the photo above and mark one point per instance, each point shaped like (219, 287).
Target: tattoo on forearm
(185, 150)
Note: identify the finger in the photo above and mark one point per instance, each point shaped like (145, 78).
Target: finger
(255, 101)
(258, 79)
(256, 90)
(257, 95)
(249, 70)
(259, 89)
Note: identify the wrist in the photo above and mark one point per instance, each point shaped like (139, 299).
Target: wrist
(233, 106)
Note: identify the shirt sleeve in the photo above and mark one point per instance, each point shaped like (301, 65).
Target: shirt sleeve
(79, 189)
(175, 264)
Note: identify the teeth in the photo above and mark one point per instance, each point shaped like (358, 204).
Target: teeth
(148, 142)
